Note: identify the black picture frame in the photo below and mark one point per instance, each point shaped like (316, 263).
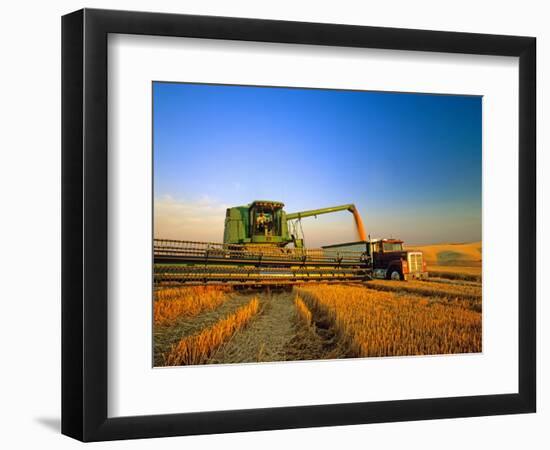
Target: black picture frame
(84, 224)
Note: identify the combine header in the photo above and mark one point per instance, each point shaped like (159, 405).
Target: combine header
(263, 245)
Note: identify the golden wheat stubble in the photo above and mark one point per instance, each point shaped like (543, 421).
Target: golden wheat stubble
(303, 311)
(173, 303)
(196, 349)
(377, 323)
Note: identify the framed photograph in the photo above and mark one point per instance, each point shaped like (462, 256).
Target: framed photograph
(272, 224)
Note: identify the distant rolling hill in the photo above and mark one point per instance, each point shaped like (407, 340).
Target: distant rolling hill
(460, 254)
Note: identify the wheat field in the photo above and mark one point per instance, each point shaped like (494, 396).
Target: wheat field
(429, 289)
(196, 348)
(378, 318)
(302, 310)
(376, 323)
(173, 303)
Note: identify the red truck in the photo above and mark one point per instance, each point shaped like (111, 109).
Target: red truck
(388, 258)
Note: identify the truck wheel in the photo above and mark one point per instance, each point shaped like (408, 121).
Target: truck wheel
(395, 275)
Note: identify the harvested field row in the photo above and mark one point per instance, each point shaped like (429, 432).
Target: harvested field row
(267, 338)
(456, 273)
(277, 332)
(455, 282)
(172, 332)
(374, 323)
(195, 349)
(173, 303)
(429, 289)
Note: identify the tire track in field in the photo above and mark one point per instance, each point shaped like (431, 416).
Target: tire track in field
(266, 337)
(277, 334)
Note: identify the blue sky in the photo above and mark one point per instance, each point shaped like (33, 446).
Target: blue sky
(410, 162)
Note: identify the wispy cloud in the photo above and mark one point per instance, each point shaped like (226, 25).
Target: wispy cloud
(201, 219)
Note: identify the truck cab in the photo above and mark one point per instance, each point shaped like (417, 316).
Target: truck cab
(386, 257)
(390, 261)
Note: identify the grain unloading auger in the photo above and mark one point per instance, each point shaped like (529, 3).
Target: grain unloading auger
(256, 251)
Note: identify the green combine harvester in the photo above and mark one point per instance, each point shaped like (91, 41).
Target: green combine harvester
(262, 245)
